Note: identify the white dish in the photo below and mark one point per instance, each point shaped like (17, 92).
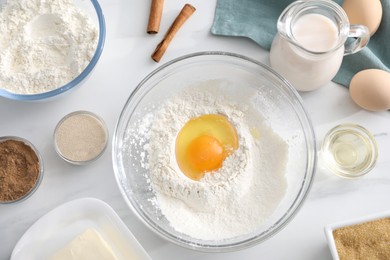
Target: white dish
(57, 228)
(330, 228)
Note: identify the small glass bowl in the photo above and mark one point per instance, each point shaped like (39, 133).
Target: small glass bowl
(40, 175)
(100, 123)
(349, 150)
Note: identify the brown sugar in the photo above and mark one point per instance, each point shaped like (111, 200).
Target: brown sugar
(368, 241)
(19, 169)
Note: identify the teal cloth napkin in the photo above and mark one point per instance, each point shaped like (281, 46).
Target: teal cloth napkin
(256, 19)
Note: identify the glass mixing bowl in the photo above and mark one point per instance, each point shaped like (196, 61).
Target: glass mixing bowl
(238, 77)
(92, 8)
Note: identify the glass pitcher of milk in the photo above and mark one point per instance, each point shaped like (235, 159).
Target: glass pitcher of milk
(313, 36)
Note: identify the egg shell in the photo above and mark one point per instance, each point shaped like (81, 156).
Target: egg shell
(365, 12)
(370, 89)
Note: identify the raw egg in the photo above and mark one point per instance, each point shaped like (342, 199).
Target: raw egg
(365, 12)
(370, 89)
(204, 143)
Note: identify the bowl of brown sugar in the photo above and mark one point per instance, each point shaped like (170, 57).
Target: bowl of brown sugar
(367, 237)
(21, 169)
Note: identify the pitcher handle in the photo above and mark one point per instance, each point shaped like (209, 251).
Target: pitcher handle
(361, 37)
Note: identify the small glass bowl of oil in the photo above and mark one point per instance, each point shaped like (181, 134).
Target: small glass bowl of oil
(349, 150)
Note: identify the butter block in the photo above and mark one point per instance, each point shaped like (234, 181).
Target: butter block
(87, 246)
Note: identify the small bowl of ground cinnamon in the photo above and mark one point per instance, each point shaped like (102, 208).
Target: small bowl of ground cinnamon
(21, 169)
(363, 238)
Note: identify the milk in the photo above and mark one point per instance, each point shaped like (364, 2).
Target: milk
(315, 32)
(316, 61)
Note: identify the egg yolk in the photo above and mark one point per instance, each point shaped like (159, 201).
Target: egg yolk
(205, 153)
(204, 143)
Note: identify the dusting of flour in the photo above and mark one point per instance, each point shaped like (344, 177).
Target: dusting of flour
(43, 44)
(232, 201)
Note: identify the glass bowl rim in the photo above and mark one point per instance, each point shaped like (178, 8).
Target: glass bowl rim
(76, 81)
(282, 221)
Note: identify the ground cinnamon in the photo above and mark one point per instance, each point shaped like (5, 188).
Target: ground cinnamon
(365, 241)
(156, 9)
(19, 169)
(184, 14)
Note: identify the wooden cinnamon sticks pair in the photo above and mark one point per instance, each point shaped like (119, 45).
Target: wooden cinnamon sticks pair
(154, 24)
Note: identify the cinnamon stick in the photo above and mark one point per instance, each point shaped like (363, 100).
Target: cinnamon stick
(184, 14)
(155, 16)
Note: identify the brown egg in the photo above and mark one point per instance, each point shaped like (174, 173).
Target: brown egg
(370, 89)
(365, 12)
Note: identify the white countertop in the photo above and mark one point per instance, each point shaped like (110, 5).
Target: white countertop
(124, 63)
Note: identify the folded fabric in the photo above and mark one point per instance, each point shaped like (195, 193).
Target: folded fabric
(256, 19)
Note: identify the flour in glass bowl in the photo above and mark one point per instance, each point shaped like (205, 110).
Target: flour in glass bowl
(231, 201)
(44, 44)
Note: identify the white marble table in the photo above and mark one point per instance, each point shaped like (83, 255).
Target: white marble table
(124, 63)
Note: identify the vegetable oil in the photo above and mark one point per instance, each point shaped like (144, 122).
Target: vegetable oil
(349, 150)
